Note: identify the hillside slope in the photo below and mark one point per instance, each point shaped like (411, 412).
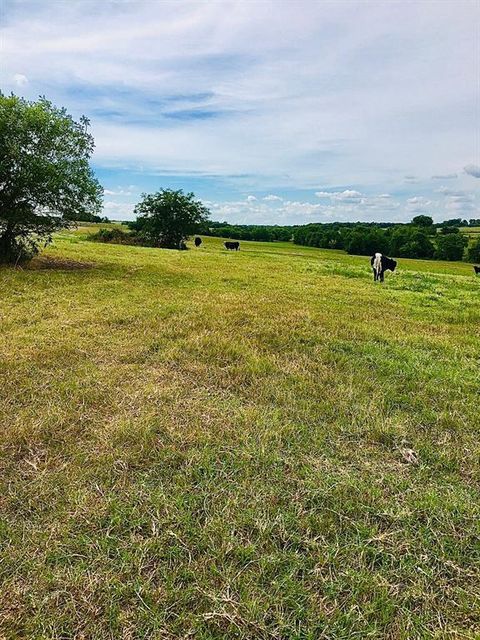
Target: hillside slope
(254, 444)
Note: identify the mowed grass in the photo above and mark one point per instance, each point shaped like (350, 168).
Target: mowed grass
(255, 444)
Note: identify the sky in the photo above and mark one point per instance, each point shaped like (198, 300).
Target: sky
(271, 112)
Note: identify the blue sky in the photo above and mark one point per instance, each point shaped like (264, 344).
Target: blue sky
(271, 112)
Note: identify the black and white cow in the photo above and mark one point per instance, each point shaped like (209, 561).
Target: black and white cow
(380, 264)
(198, 241)
(233, 246)
(477, 269)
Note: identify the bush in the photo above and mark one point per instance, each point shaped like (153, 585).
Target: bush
(113, 236)
(18, 251)
(445, 231)
(473, 253)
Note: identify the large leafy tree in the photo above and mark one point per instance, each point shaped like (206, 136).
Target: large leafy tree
(45, 176)
(167, 218)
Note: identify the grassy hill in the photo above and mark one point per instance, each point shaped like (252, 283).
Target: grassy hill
(263, 444)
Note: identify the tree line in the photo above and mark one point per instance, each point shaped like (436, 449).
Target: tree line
(418, 239)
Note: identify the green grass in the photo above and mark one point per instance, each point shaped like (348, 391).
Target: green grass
(255, 444)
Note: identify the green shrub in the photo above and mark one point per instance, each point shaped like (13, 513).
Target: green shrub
(473, 253)
(113, 236)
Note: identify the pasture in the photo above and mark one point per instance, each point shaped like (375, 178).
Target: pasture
(258, 444)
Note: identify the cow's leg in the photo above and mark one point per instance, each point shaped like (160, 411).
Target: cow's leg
(375, 275)
(382, 276)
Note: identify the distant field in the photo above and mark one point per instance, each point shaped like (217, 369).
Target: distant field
(257, 444)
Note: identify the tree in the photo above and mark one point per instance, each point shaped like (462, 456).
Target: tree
(445, 231)
(410, 242)
(422, 221)
(166, 218)
(45, 175)
(473, 252)
(453, 222)
(450, 247)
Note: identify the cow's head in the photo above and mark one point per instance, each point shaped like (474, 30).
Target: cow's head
(394, 264)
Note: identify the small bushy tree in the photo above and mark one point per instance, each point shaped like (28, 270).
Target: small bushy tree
(45, 176)
(422, 221)
(166, 218)
(445, 231)
(473, 253)
(451, 247)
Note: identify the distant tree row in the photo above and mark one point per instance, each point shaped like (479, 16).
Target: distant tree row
(329, 231)
(260, 233)
(405, 241)
(459, 222)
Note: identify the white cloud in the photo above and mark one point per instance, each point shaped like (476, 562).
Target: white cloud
(446, 176)
(20, 80)
(472, 170)
(411, 179)
(450, 192)
(418, 204)
(348, 195)
(251, 198)
(129, 191)
(339, 195)
(272, 198)
(380, 208)
(118, 211)
(416, 200)
(458, 202)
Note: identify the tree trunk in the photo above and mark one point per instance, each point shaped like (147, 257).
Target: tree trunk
(7, 245)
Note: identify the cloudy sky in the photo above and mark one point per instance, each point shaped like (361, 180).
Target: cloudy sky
(271, 112)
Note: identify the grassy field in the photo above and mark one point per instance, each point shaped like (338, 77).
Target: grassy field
(263, 444)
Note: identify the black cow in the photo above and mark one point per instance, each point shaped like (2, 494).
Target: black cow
(233, 246)
(477, 269)
(380, 264)
(198, 241)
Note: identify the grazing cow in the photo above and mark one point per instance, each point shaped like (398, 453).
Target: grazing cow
(198, 241)
(477, 269)
(233, 246)
(380, 264)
